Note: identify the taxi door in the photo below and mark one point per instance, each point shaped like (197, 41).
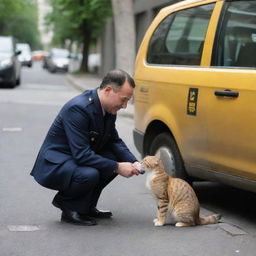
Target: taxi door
(230, 114)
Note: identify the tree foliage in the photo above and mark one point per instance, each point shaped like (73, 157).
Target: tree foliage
(78, 20)
(19, 19)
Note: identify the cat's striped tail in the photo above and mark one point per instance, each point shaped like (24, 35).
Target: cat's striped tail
(212, 219)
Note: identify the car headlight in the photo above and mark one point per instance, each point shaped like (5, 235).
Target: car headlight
(60, 64)
(5, 63)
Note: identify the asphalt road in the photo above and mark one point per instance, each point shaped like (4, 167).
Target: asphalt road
(29, 225)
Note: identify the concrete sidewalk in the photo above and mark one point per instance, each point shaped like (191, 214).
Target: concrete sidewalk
(88, 82)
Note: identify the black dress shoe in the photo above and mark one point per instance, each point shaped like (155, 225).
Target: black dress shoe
(100, 214)
(57, 204)
(77, 219)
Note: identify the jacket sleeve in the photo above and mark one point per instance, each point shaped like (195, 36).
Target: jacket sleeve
(119, 148)
(76, 125)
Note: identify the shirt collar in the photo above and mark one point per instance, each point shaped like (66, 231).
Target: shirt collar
(103, 110)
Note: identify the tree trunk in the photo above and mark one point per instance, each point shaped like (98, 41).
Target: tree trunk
(124, 34)
(86, 44)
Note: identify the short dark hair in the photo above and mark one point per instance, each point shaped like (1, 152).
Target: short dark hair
(117, 78)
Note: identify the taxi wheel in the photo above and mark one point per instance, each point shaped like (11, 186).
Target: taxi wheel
(170, 155)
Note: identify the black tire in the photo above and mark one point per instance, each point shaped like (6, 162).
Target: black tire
(170, 155)
(18, 81)
(52, 70)
(11, 84)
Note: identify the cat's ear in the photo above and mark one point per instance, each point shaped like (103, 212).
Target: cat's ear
(156, 161)
(158, 154)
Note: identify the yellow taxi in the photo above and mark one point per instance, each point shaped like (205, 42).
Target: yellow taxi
(195, 98)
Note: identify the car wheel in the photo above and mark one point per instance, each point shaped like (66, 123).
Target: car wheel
(12, 83)
(18, 81)
(170, 155)
(52, 70)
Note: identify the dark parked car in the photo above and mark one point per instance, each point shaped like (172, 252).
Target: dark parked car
(10, 67)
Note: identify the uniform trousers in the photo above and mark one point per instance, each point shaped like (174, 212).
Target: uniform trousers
(85, 187)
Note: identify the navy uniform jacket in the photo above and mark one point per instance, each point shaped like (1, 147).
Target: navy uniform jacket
(77, 136)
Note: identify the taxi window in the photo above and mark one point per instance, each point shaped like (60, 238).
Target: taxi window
(236, 46)
(179, 39)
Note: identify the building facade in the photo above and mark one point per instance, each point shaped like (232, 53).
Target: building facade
(144, 13)
(46, 33)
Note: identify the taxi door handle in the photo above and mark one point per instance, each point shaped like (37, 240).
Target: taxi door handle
(227, 93)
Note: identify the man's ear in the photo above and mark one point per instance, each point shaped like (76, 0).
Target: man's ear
(108, 88)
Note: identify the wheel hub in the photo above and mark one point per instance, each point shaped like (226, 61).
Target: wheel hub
(167, 158)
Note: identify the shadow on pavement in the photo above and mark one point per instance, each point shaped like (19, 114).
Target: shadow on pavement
(227, 200)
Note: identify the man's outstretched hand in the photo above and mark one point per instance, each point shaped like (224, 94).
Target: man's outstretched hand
(127, 169)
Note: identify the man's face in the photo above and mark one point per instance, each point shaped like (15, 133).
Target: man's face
(117, 99)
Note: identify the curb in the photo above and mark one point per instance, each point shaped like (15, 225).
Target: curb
(71, 80)
(125, 114)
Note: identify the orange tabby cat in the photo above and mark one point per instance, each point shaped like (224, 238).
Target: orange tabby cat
(174, 195)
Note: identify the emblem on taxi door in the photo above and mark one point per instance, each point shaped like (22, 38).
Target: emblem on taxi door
(192, 101)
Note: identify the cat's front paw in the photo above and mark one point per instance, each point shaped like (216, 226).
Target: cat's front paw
(157, 222)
